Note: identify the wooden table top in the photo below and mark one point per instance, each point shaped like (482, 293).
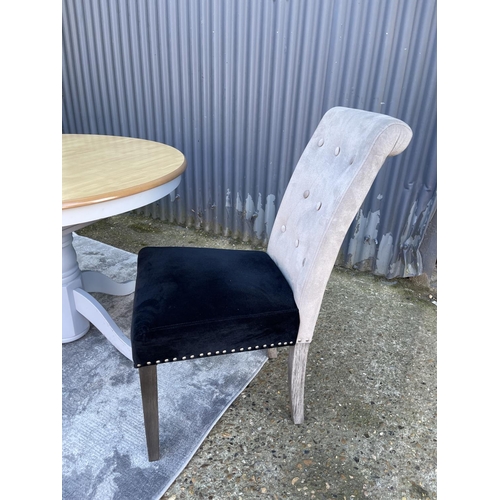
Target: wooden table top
(98, 168)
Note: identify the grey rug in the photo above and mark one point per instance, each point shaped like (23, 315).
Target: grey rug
(104, 453)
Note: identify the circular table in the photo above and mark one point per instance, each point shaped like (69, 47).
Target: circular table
(103, 176)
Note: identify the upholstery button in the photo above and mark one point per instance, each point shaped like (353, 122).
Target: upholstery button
(321, 142)
(337, 151)
(283, 228)
(306, 193)
(318, 205)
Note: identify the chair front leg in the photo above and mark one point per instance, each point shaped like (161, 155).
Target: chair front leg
(149, 392)
(297, 361)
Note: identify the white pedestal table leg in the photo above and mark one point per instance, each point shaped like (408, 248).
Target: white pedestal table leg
(74, 325)
(79, 309)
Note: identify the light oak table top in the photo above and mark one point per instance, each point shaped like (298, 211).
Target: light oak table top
(100, 168)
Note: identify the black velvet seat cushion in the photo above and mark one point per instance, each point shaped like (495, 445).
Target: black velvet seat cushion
(192, 302)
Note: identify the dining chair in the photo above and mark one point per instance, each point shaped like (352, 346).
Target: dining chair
(199, 302)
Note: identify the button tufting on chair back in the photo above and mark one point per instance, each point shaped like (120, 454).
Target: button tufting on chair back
(248, 300)
(327, 188)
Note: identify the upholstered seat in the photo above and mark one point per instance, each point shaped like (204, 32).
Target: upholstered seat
(196, 302)
(192, 302)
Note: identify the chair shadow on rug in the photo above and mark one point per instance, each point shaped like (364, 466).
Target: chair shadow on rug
(197, 302)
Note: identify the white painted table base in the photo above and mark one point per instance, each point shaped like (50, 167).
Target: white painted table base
(80, 309)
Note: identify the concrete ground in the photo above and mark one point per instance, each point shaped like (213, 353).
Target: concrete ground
(371, 397)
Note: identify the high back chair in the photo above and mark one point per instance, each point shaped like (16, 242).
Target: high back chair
(198, 302)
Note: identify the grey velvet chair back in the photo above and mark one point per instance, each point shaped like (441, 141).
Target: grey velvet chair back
(327, 188)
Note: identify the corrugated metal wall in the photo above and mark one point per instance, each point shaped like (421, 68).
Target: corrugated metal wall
(239, 87)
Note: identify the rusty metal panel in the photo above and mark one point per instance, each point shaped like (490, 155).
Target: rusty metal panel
(239, 87)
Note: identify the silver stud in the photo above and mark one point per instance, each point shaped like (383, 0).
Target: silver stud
(192, 356)
(337, 151)
(158, 361)
(283, 228)
(166, 361)
(318, 205)
(285, 343)
(279, 343)
(217, 352)
(175, 359)
(138, 366)
(201, 355)
(321, 142)
(272, 345)
(306, 193)
(296, 243)
(233, 350)
(242, 349)
(209, 353)
(148, 363)
(183, 357)
(249, 348)
(256, 347)
(224, 352)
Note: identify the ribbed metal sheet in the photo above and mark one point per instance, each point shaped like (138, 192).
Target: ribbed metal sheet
(239, 87)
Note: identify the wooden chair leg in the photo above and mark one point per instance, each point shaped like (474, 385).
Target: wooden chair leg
(297, 361)
(272, 353)
(149, 392)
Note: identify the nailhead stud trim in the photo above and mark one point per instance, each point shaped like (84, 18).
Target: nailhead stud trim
(201, 355)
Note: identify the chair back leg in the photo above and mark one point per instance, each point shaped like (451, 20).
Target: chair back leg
(272, 353)
(297, 362)
(149, 392)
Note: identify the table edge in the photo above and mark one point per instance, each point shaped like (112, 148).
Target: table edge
(123, 193)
